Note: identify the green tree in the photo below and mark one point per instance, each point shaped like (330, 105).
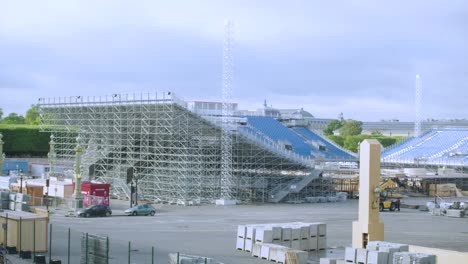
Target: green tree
(351, 128)
(32, 115)
(377, 133)
(13, 118)
(332, 126)
(337, 139)
(1, 114)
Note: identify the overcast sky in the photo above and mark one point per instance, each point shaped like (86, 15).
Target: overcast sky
(355, 57)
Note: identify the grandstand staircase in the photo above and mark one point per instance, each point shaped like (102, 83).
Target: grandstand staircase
(296, 186)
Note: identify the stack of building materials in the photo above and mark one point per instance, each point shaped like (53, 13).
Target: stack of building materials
(15, 201)
(413, 258)
(380, 252)
(22, 202)
(278, 253)
(452, 209)
(189, 259)
(275, 241)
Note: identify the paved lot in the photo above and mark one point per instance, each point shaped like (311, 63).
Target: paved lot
(210, 230)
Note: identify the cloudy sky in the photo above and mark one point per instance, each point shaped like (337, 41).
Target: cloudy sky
(355, 57)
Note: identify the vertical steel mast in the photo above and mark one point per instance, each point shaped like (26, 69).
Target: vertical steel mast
(227, 182)
(417, 103)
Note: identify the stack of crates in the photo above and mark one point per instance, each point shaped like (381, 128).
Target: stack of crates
(381, 252)
(15, 201)
(262, 239)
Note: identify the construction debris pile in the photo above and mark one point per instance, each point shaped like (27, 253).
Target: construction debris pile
(282, 243)
(451, 209)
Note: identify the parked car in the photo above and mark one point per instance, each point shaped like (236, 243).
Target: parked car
(143, 209)
(95, 210)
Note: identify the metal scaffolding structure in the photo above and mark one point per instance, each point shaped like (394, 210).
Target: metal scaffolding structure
(172, 153)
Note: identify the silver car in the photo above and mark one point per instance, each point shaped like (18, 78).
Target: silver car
(143, 209)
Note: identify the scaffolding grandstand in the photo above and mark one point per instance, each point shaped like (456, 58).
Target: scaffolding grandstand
(172, 151)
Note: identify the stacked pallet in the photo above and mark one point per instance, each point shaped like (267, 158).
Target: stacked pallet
(380, 252)
(275, 241)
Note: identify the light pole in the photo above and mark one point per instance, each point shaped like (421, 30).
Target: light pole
(77, 194)
(52, 156)
(2, 155)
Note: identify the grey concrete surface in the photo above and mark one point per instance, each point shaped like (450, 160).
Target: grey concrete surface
(210, 230)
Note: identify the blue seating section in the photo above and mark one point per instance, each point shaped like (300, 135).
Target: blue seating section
(437, 144)
(280, 133)
(331, 151)
(298, 138)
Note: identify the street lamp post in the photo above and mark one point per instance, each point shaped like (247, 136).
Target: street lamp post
(2, 155)
(52, 156)
(77, 195)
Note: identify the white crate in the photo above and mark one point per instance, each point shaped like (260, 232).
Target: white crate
(295, 233)
(375, 257)
(361, 255)
(241, 231)
(250, 232)
(313, 244)
(263, 235)
(350, 254)
(276, 232)
(304, 244)
(322, 229)
(321, 243)
(265, 251)
(249, 245)
(296, 244)
(240, 243)
(313, 230)
(257, 250)
(305, 232)
(286, 234)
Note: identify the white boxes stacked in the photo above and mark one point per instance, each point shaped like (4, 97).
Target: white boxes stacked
(294, 237)
(380, 252)
(21, 202)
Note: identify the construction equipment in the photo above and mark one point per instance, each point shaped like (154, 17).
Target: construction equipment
(385, 203)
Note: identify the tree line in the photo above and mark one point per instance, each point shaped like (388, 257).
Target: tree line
(31, 117)
(347, 134)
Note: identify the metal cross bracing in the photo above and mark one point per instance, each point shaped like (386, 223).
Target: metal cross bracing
(173, 154)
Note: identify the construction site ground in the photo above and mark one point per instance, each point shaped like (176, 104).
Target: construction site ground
(210, 230)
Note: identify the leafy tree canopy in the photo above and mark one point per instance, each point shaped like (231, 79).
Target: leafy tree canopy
(13, 118)
(351, 128)
(332, 126)
(32, 115)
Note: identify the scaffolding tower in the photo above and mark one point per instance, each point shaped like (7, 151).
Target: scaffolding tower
(173, 153)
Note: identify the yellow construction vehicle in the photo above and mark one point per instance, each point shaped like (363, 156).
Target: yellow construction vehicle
(385, 203)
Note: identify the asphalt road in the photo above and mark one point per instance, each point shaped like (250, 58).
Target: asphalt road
(210, 230)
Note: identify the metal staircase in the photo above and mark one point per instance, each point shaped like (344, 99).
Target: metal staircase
(296, 186)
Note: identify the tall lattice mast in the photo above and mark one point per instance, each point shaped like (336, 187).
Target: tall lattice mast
(227, 182)
(418, 92)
